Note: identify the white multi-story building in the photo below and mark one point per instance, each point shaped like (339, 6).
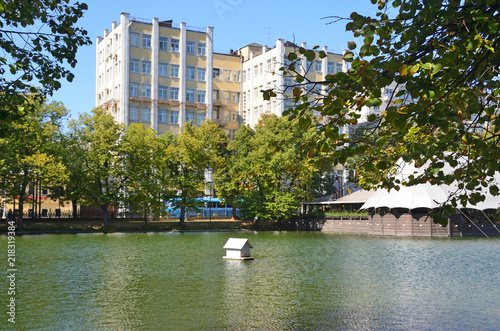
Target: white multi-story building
(261, 71)
(162, 75)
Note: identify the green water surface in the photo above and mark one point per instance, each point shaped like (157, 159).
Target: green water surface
(298, 281)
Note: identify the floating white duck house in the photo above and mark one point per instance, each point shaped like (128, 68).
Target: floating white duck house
(238, 249)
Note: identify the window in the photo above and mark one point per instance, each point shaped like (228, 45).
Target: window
(236, 75)
(134, 39)
(227, 115)
(227, 74)
(201, 96)
(163, 43)
(163, 69)
(244, 78)
(288, 82)
(146, 114)
(255, 71)
(174, 93)
(174, 70)
(268, 65)
(162, 115)
(174, 45)
(201, 49)
(234, 116)
(189, 116)
(146, 67)
(134, 90)
(201, 118)
(216, 95)
(201, 73)
(318, 66)
(146, 91)
(255, 93)
(216, 73)
(236, 97)
(146, 41)
(174, 116)
(190, 47)
(134, 114)
(389, 91)
(331, 68)
(189, 95)
(376, 108)
(227, 96)
(162, 93)
(339, 67)
(134, 65)
(261, 67)
(190, 73)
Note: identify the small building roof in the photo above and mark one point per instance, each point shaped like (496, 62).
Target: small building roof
(237, 243)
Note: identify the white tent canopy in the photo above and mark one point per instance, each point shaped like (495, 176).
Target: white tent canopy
(426, 195)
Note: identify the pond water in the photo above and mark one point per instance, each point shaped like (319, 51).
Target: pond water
(298, 281)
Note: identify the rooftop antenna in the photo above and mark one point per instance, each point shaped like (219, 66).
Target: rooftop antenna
(269, 41)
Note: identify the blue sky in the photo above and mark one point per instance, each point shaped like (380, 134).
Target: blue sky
(236, 23)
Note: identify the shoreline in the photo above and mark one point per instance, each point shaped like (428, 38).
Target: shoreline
(132, 226)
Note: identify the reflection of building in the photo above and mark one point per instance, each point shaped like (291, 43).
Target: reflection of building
(162, 75)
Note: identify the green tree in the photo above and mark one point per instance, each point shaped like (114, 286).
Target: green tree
(29, 154)
(142, 156)
(272, 173)
(38, 39)
(443, 58)
(227, 177)
(96, 146)
(188, 170)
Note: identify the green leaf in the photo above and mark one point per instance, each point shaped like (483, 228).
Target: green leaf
(305, 122)
(351, 45)
(494, 190)
(348, 56)
(435, 68)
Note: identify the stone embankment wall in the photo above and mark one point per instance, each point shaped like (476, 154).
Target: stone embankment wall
(407, 225)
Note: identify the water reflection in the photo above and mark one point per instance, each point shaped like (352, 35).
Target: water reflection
(297, 281)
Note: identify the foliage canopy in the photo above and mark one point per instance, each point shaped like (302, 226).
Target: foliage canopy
(38, 39)
(443, 58)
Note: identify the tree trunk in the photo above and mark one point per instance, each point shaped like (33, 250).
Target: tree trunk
(181, 218)
(20, 225)
(234, 216)
(75, 210)
(105, 216)
(22, 197)
(145, 218)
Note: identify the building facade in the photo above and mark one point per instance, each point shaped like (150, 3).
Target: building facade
(261, 71)
(163, 75)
